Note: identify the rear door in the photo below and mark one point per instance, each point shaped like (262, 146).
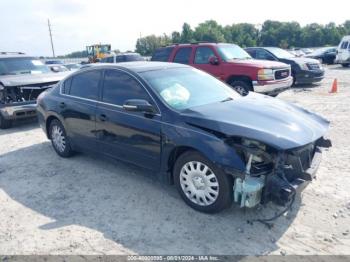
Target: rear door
(183, 55)
(79, 107)
(201, 61)
(130, 136)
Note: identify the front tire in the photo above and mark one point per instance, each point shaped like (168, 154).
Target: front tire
(242, 87)
(59, 139)
(4, 123)
(201, 184)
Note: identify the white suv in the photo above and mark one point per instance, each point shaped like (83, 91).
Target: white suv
(343, 52)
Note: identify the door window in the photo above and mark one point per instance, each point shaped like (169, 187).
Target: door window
(162, 54)
(203, 54)
(119, 87)
(119, 58)
(263, 55)
(85, 85)
(183, 55)
(344, 45)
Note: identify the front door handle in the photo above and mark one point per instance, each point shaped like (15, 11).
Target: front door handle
(103, 117)
(62, 105)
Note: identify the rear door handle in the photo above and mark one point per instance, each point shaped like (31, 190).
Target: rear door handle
(103, 117)
(62, 105)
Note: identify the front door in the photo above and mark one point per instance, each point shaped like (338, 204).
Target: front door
(130, 136)
(201, 61)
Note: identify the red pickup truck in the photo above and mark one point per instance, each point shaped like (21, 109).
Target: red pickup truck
(231, 64)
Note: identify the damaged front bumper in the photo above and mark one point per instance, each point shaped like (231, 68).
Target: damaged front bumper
(292, 171)
(280, 187)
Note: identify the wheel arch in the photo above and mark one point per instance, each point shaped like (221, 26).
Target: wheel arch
(51, 116)
(175, 153)
(243, 78)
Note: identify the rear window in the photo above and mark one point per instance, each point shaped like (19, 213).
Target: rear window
(183, 55)
(85, 85)
(162, 54)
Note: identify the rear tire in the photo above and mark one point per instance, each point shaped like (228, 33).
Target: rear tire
(59, 139)
(242, 87)
(4, 123)
(201, 184)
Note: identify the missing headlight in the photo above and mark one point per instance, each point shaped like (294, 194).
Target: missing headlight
(257, 156)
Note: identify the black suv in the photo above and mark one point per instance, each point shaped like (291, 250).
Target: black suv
(22, 79)
(304, 70)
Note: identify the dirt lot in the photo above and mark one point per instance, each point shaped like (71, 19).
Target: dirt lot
(84, 205)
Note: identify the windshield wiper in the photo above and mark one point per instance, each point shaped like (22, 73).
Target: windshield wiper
(226, 99)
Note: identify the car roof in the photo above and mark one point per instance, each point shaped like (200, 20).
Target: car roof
(198, 43)
(139, 66)
(14, 55)
(263, 47)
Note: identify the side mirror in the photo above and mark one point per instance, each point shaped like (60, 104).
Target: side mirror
(139, 105)
(213, 60)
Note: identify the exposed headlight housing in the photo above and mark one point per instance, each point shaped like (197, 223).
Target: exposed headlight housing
(257, 156)
(265, 74)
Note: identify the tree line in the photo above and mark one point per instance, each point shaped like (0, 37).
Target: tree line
(270, 33)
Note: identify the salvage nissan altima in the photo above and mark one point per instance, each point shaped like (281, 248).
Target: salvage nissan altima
(193, 130)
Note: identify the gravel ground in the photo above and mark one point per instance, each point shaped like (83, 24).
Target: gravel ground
(86, 205)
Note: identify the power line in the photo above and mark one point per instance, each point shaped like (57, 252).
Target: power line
(53, 50)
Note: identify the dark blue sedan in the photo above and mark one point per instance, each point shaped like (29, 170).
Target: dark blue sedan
(190, 128)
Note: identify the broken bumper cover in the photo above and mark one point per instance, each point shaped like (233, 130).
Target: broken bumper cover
(19, 110)
(272, 87)
(281, 192)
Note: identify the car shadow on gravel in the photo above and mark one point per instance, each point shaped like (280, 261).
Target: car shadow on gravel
(130, 207)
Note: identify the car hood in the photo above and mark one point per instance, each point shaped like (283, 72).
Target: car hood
(301, 60)
(31, 79)
(259, 63)
(274, 122)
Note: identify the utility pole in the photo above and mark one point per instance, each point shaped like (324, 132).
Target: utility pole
(53, 50)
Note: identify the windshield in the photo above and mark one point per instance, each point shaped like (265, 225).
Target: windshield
(232, 52)
(19, 65)
(183, 88)
(280, 53)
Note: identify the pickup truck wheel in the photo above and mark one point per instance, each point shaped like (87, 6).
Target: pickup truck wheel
(201, 184)
(59, 139)
(4, 123)
(243, 88)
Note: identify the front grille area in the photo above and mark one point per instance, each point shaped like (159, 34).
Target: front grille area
(281, 74)
(313, 66)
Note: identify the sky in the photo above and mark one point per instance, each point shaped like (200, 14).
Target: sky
(78, 23)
